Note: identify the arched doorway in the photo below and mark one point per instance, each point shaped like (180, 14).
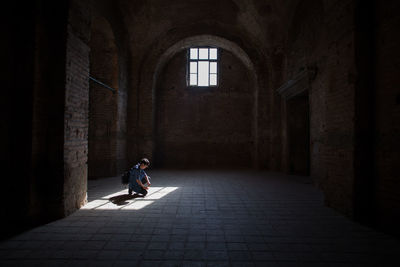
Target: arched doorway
(212, 127)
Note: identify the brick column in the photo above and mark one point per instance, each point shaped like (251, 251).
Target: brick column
(76, 119)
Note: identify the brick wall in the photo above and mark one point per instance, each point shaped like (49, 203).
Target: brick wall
(332, 110)
(353, 104)
(322, 36)
(110, 60)
(205, 127)
(103, 107)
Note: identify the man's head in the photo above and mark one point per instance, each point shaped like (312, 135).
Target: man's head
(144, 163)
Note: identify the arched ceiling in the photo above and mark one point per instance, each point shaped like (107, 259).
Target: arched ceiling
(259, 24)
(207, 40)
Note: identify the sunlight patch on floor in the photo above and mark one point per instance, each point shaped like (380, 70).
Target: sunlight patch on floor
(127, 203)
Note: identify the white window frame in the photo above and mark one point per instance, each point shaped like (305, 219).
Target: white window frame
(197, 61)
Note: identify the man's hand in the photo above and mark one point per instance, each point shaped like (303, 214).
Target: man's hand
(148, 181)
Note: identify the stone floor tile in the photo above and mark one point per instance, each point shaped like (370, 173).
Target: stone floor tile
(258, 247)
(218, 264)
(141, 238)
(158, 245)
(216, 246)
(150, 263)
(85, 254)
(176, 245)
(125, 263)
(121, 237)
(62, 254)
(193, 264)
(31, 244)
(195, 245)
(115, 245)
(94, 244)
(262, 256)
(108, 254)
(40, 255)
(154, 254)
(240, 255)
(236, 246)
(131, 255)
(266, 264)
(195, 254)
(171, 263)
(100, 263)
(234, 238)
(174, 254)
(215, 255)
(160, 238)
(215, 238)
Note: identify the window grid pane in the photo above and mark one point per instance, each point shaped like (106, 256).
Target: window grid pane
(213, 79)
(203, 53)
(213, 53)
(193, 79)
(203, 73)
(193, 67)
(213, 67)
(193, 53)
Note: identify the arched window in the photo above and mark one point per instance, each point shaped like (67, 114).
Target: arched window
(202, 66)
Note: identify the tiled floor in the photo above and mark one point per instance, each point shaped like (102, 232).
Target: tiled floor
(201, 218)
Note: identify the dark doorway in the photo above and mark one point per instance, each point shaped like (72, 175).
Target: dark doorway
(298, 135)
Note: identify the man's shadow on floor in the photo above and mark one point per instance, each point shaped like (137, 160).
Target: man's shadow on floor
(122, 199)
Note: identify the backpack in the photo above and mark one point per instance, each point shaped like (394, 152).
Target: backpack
(125, 177)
